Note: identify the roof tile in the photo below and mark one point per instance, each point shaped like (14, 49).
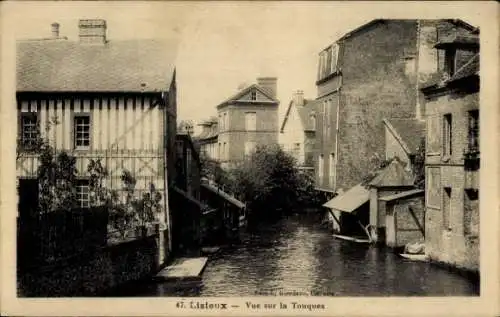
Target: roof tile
(128, 65)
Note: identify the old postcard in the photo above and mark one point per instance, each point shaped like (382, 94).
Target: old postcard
(249, 158)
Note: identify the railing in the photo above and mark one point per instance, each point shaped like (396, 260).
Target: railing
(46, 238)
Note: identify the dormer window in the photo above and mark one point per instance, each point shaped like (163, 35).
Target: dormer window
(253, 95)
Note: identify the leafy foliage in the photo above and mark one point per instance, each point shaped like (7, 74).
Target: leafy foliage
(211, 169)
(271, 184)
(57, 179)
(126, 211)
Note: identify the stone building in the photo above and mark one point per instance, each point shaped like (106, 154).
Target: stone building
(247, 119)
(298, 129)
(452, 156)
(370, 74)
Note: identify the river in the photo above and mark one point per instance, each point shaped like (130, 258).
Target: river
(297, 256)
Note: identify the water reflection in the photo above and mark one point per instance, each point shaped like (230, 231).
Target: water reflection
(297, 255)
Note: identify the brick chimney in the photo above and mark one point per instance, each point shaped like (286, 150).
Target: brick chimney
(55, 30)
(92, 31)
(269, 84)
(298, 98)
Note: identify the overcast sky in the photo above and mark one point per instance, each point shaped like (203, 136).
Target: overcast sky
(224, 44)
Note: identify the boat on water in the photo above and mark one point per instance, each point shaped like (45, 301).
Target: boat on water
(210, 250)
(415, 257)
(352, 239)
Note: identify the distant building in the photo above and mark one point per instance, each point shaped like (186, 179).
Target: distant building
(113, 99)
(370, 74)
(298, 129)
(207, 139)
(452, 156)
(247, 119)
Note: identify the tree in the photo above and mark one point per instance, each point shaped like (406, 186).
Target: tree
(57, 179)
(270, 183)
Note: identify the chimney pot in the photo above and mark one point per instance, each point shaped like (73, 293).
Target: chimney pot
(55, 29)
(92, 31)
(269, 84)
(299, 98)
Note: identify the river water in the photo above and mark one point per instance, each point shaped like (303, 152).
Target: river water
(297, 256)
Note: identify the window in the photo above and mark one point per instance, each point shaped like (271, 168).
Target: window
(226, 121)
(224, 151)
(320, 169)
(221, 124)
(447, 208)
(335, 57)
(471, 213)
(332, 170)
(250, 121)
(82, 131)
(326, 118)
(29, 129)
(83, 193)
(473, 136)
(328, 61)
(450, 61)
(249, 147)
(447, 136)
(219, 151)
(253, 95)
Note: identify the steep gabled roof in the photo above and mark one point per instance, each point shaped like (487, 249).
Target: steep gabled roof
(393, 175)
(304, 113)
(144, 65)
(246, 90)
(408, 132)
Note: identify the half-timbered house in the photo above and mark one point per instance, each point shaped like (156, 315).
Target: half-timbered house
(113, 100)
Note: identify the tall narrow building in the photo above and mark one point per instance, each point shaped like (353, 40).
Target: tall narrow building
(371, 75)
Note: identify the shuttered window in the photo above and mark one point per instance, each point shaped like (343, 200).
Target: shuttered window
(249, 148)
(250, 121)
